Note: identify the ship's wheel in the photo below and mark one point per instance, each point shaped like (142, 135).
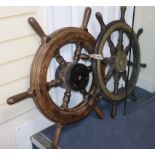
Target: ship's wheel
(71, 76)
(113, 43)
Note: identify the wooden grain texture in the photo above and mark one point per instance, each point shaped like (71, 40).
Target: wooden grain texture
(19, 97)
(86, 18)
(37, 28)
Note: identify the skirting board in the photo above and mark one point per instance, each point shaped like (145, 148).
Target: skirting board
(146, 84)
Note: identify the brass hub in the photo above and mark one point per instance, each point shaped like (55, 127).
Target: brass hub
(120, 61)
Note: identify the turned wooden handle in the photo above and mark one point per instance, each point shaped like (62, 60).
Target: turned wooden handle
(37, 28)
(85, 57)
(93, 97)
(100, 20)
(29, 93)
(140, 31)
(18, 97)
(99, 112)
(143, 65)
(86, 18)
(123, 9)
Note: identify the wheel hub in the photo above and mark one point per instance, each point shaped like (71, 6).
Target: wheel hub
(119, 61)
(74, 76)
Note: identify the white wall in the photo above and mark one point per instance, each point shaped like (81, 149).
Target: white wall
(18, 44)
(145, 18)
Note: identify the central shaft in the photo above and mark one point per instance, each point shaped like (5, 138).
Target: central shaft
(74, 76)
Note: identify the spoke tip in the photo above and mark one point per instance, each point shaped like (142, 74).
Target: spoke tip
(123, 9)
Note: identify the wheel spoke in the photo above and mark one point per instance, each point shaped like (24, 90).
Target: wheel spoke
(124, 76)
(89, 68)
(131, 64)
(106, 60)
(77, 53)
(53, 83)
(85, 94)
(66, 98)
(111, 46)
(84, 57)
(127, 48)
(109, 74)
(116, 82)
(60, 59)
(120, 90)
(120, 40)
(123, 9)
(140, 31)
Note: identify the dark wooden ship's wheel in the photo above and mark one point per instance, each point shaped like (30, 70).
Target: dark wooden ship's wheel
(69, 75)
(113, 68)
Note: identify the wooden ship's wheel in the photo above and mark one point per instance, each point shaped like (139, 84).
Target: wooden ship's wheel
(106, 76)
(112, 72)
(69, 75)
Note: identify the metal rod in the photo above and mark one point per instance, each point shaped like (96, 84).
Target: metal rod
(131, 39)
